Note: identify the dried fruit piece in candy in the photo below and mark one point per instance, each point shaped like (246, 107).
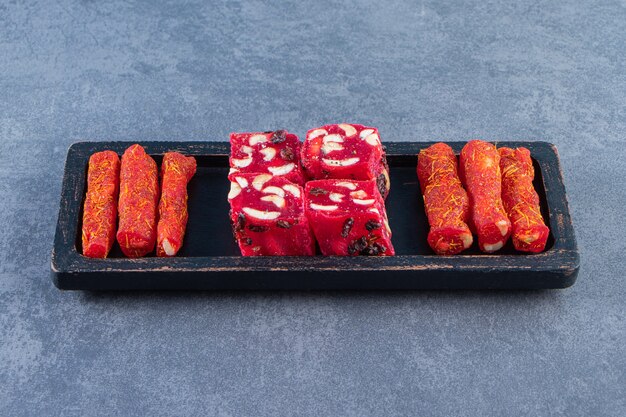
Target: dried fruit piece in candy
(445, 200)
(346, 151)
(139, 195)
(176, 172)
(267, 214)
(348, 217)
(521, 201)
(480, 171)
(276, 153)
(100, 209)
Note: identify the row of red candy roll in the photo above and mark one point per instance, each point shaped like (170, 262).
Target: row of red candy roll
(135, 178)
(500, 198)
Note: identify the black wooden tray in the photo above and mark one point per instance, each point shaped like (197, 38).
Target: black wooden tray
(210, 258)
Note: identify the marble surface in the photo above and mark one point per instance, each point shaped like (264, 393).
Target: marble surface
(429, 70)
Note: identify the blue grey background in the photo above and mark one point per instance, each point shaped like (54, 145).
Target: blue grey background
(430, 70)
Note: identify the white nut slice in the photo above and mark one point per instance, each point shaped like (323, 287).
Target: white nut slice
(268, 154)
(363, 202)
(282, 170)
(342, 162)
(247, 150)
(336, 197)
(349, 129)
(528, 239)
(503, 226)
(232, 171)
(242, 182)
(346, 184)
(374, 210)
(317, 132)
(235, 189)
(373, 139)
(333, 138)
(358, 194)
(292, 189)
(254, 139)
(323, 207)
(241, 163)
(168, 248)
(274, 190)
(276, 199)
(365, 133)
(467, 240)
(331, 146)
(260, 180)
(492, 248)
(262, 215)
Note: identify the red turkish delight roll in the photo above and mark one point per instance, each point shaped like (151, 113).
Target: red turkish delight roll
(346, 151)
(139, 195)
(348, 217)
(100, 210)
(267, 215)
(445, 200)
(276, 153)
(480, 170)
(521, 201)
(176, 172)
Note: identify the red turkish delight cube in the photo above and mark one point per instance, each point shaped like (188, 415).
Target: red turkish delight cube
(346, 151)
(276, 153)
(267, 215)
(348, 217)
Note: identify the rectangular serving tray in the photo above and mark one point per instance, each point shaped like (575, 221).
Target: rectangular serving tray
(210, 259)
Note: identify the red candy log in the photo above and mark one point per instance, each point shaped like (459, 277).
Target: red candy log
(445, 200)
(176, 172)
(480, 170)
(139, 195)
(100, 210)
(521, 201)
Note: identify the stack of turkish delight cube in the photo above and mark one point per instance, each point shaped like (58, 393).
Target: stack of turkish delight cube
(285, 195)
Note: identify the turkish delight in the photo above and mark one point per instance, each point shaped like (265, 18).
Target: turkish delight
(346, 151)
(267, 216)
(100, 209)
(480, 172)
(176, 172)
(348, 217)
(445, 200)
(521, 201)
(137, 208)
(276, 153)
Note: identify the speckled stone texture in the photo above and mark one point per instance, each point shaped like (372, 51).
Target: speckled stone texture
(528, 70)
